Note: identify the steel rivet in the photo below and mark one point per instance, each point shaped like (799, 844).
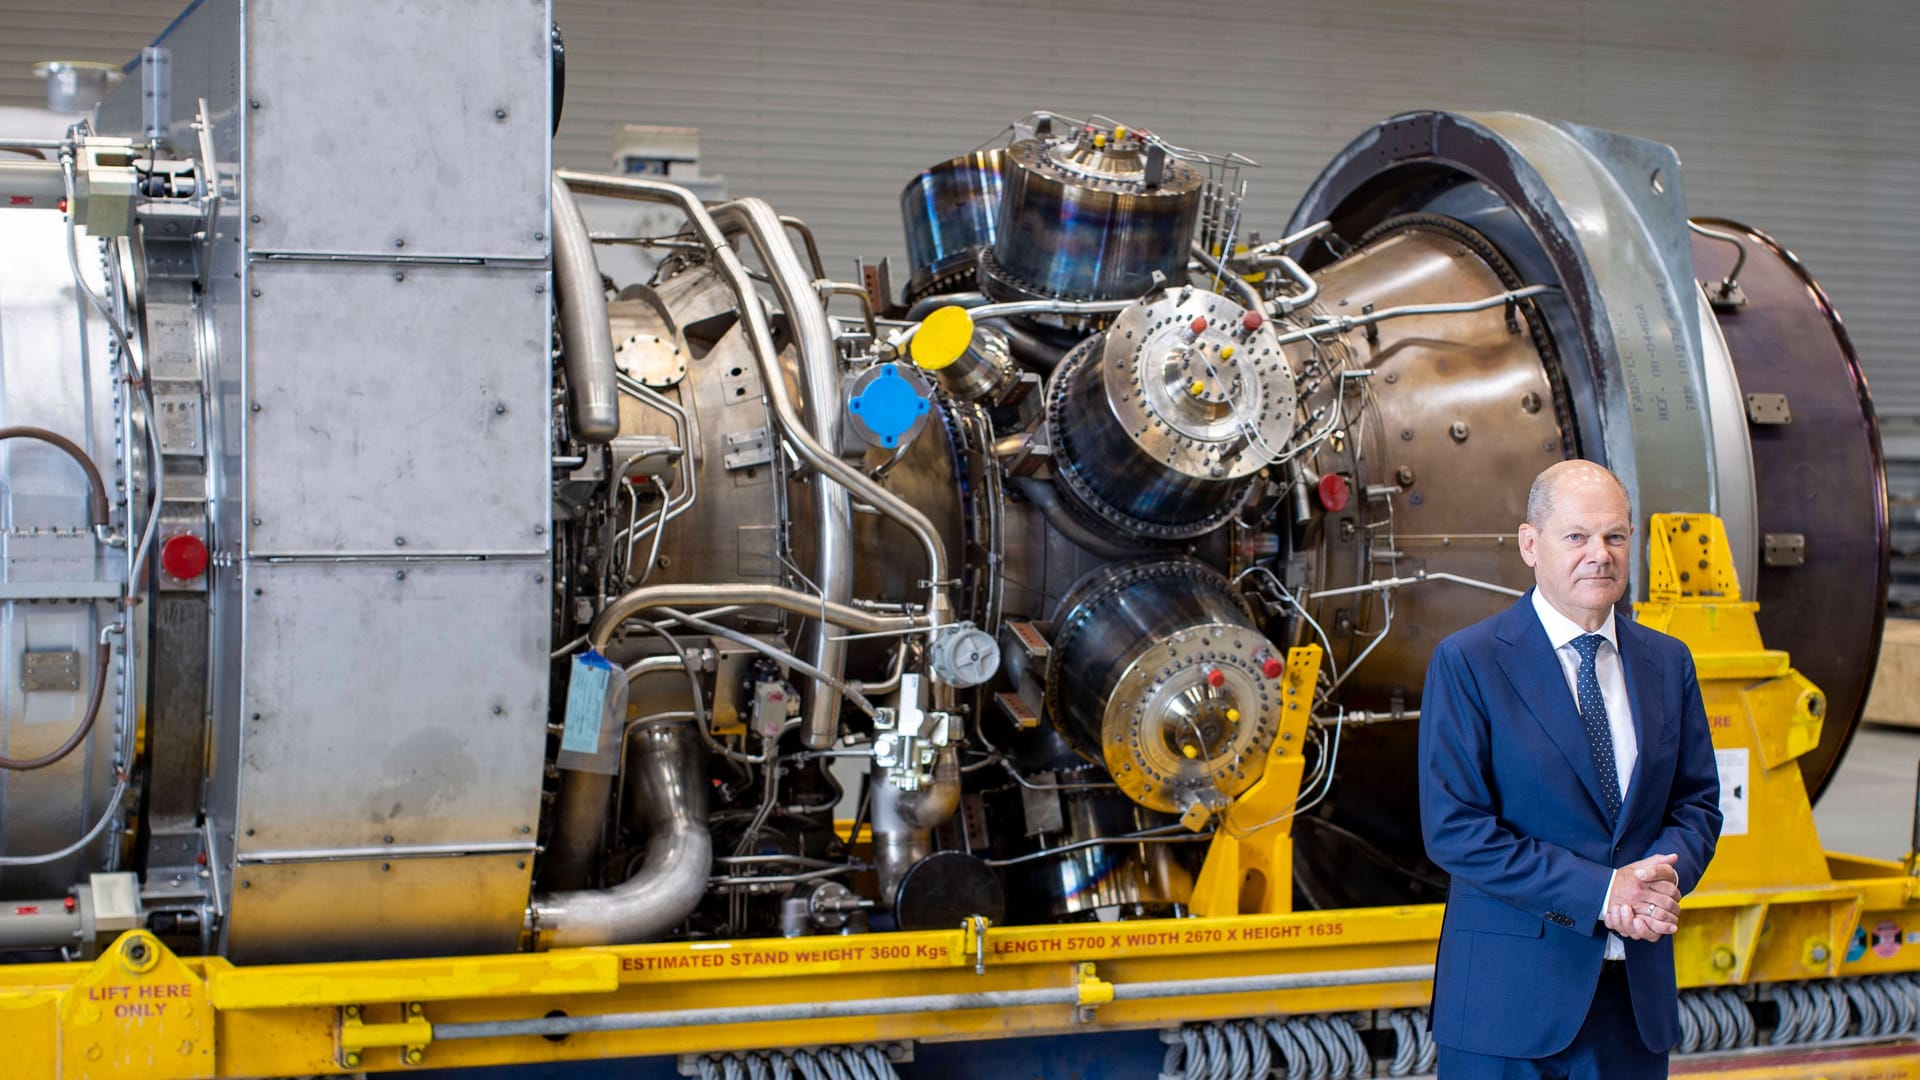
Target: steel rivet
(249, 832)
(385, 867)
(255, 407)
(499, 408)
(399, 575)
(256, 521)
(387, 839)
(399, 242)
(499, 114)
(399, 275)
(245, 884)
(497, 710)
(255, 218)
(253, 292)
(399, 541)
(539, 236)
(253, 104)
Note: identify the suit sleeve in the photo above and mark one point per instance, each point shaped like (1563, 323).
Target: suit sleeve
(1463, 833)
(1691, 826)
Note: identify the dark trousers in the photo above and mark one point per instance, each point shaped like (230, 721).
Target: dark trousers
(1608, 1046)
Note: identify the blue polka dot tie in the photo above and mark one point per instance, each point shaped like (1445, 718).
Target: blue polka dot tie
(1593, 713)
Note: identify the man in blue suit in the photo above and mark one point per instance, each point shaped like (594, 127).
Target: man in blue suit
(1567, 783)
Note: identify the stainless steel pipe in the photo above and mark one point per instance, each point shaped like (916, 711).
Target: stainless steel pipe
(791, 283)
(832, 507)
(585, 334)
(903, 821)
(672, 782)
(628, 604)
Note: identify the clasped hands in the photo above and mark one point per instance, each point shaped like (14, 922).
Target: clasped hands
(1643, 900)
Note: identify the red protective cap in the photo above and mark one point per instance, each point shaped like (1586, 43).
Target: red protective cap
(1251, 321)
(1216, 678)
(1271, 667)
(1334, 492)
(69, 903)
(184, 556)
(1199, 324)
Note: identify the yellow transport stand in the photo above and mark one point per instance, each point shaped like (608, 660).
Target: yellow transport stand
(1776, 921)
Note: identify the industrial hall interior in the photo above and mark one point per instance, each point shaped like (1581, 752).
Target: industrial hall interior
(938, 539)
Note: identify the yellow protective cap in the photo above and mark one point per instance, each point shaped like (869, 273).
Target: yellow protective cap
(1120, 132)
(1226, 352)
(1099, 141)
(1233, 716)
(942, 337)
(1196, 388)
(1190, 750)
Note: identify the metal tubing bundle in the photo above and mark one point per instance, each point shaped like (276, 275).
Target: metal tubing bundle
(818, 1063)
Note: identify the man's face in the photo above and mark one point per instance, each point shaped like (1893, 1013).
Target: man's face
(1579, 556)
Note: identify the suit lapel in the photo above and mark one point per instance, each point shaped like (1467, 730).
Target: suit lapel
(1531, 666)
(1643, 690)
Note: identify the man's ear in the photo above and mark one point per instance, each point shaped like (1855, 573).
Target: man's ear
(1529, 539)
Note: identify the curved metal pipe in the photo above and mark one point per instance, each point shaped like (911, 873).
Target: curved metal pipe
(672, 783)
(584, 332)
(810, 328)
(820, 383)
(629, 604)
(903, 821)
(1249, 295)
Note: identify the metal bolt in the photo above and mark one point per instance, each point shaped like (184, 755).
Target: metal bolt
(253, 292)
(1818, 954)
(1393, 377)
(256, 716)
(353, 1012)
(245, 884)
(539, 530)
(255, 218)
(399, 575)
(399, 242)
(1530, 402)
(1406, 434)
(539, 579)
(253, 104)
(399, 541)
(413, 1008)
(498, 711)
(350, 1059)
(258, 592)
(1404, 476)
(499, 408)
(256, 521)
(525, 829)
(255, 407)
(499, 114)
(539, 289)
(521, 865)
(1458, 429)
(413, 1055)
(387, 839)
(399, 275)
(385, 867)
(539, 236)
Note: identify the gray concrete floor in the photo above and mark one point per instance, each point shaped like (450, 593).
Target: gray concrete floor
(1868, 809)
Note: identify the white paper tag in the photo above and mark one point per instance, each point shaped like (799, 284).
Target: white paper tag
(1734, 780)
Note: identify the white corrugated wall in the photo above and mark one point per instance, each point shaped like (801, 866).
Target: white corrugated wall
(1801, 119)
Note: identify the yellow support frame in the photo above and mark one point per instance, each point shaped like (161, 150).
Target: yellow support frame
(1773, 907)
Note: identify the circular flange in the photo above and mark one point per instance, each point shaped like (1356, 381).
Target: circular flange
(1192, 719)
(1197, 390)
(656, 361)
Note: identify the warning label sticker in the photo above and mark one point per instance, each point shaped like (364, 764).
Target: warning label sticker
(1734, 778)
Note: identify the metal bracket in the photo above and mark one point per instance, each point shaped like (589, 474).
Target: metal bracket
(1768, 409)
(411, 1035)
(745, 449)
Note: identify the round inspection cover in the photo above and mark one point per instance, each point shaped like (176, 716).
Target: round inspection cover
(942, 890)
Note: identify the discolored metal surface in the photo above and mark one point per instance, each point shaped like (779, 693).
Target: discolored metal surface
(1159, 423)
(950, 211)
(1158, 671)
(1820, 477)
(1082, 221)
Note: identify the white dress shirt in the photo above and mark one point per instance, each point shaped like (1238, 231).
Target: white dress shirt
(1613, 690)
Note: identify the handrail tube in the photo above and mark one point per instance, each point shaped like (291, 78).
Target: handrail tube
(894, 1006)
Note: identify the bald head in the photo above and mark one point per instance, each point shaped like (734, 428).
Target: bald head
(1546, 486)
(1576, 538)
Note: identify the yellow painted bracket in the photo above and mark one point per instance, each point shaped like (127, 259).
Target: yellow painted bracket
(1688, 558)
(1249, 866)
(411, 1034)
(136, 1011)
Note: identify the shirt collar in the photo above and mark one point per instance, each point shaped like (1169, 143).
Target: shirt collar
(1560, 629)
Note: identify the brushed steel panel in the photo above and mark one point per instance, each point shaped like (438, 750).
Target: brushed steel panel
(371, 910)
(400, 416)
(382, 709)
(398, 129)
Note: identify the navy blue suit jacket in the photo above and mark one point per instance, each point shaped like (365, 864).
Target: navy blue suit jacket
(1510, 806)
